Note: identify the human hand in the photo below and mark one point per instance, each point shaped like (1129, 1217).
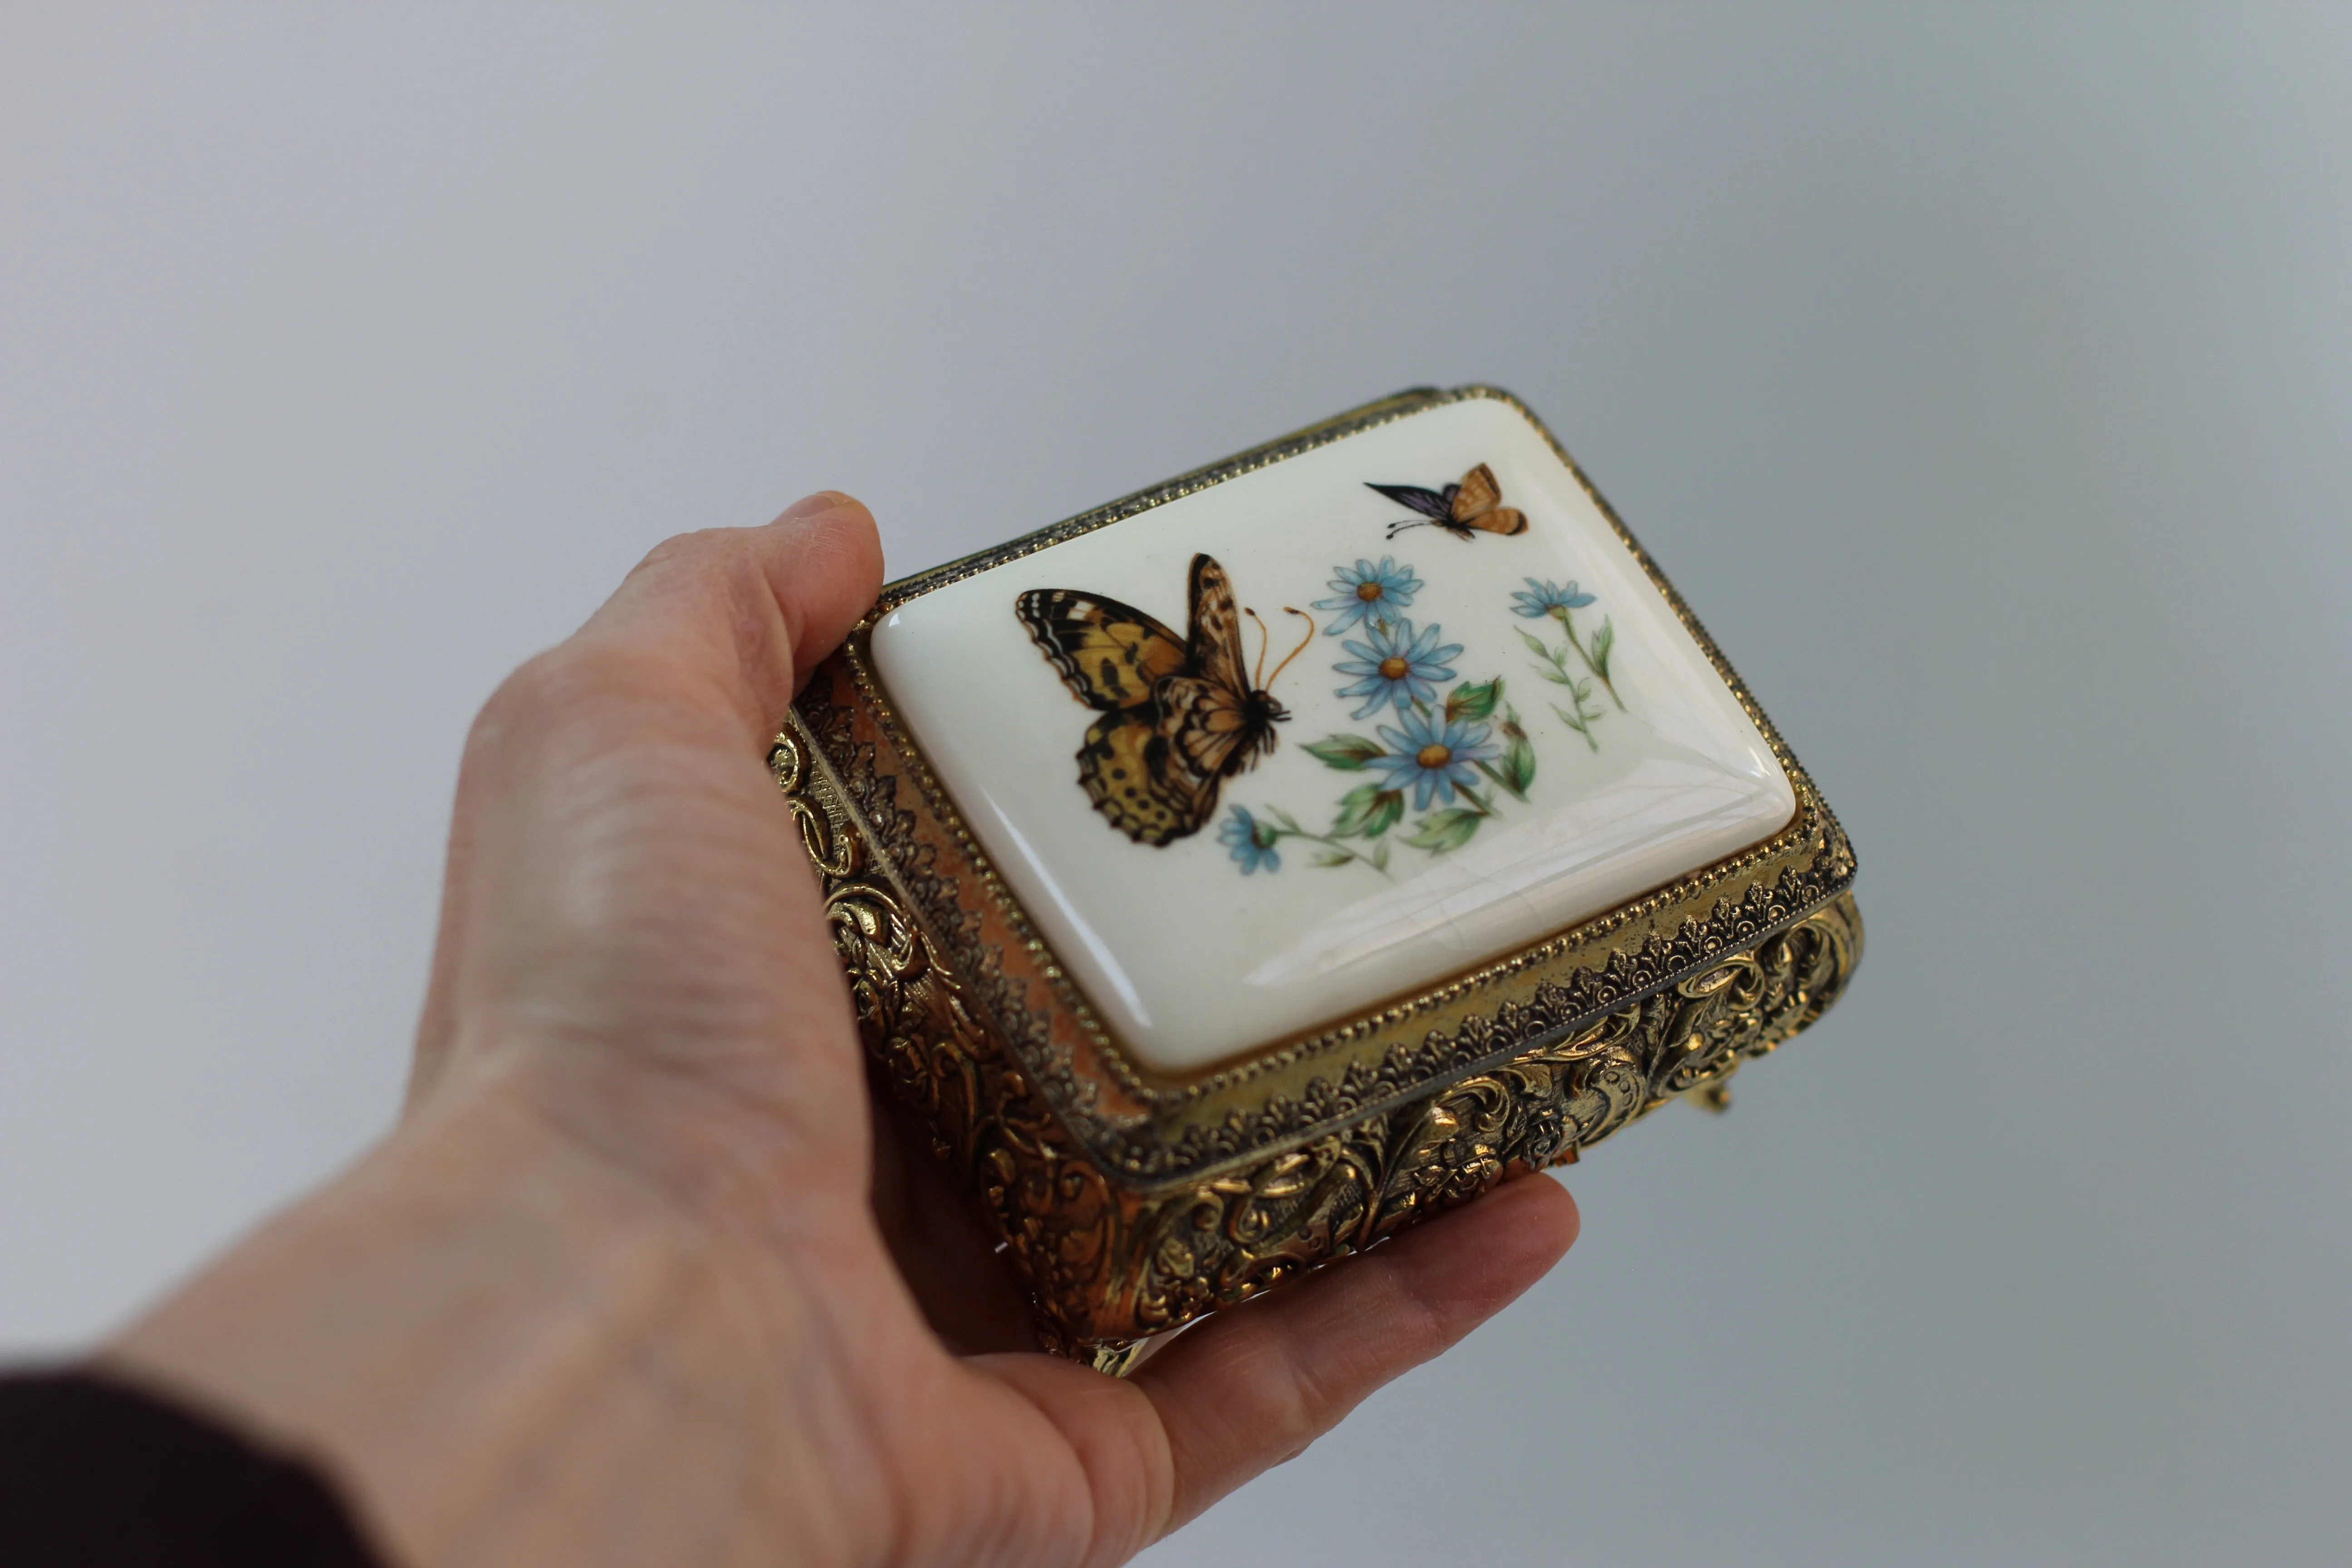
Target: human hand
(631, 1282)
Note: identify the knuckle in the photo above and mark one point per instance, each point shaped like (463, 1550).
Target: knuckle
(1289, 1412)
(703, 549)
(678, 547)
(539, 683)
(538, 696)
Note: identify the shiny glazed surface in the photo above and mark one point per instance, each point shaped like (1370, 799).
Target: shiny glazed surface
(1439, 820)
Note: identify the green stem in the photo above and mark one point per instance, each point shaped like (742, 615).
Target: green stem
(1578, 722)
(1518, 795)
(1598, 672)
(1334, 844)
(1558, 661)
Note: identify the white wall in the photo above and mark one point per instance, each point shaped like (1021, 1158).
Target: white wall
(1981, 374)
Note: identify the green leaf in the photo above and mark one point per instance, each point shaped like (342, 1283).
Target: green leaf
(1474, 701)
(1602, 641)
(1520, 763)
(1442, 830)
(1386, 808)
(1332, 858)
(1355, 810)
(1287, 821)
(1380, 856)
(1348, 753)
(1554, 660)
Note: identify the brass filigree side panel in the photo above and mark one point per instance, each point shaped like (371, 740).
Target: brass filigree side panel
(1109, 1261)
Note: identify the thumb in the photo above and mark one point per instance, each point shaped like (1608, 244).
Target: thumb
(696, 655)
(754, 608)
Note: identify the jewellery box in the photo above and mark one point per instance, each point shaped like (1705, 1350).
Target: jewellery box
(1249, 869)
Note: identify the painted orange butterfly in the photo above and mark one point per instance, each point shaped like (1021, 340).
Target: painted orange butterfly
(1476, 503)
(1179, 715)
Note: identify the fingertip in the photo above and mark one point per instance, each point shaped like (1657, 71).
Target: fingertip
(1551, 1214)
(1480, 1258)
(816, 505)
(829, 572)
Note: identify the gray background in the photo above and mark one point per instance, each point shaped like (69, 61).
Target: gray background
(1982, 374)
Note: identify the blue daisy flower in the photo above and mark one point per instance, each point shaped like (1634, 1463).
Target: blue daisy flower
(1251, 841)
(1548, 598)
(1369, 593)
(1433, 755)
(1396, 668)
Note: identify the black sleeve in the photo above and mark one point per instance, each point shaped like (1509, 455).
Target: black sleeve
(98, 1474)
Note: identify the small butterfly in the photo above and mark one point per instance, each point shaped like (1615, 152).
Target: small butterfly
(1476, 503)
(1179, 715)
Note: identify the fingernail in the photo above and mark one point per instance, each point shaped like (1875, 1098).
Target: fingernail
(816, 505)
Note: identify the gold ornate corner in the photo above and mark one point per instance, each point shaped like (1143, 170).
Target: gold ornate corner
(1108, 1264)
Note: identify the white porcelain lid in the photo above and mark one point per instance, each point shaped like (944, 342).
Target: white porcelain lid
(1399, 829)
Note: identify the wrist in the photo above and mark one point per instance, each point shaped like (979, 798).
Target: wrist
(482, 1310)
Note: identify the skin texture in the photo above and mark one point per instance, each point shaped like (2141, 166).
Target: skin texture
(628, 1284)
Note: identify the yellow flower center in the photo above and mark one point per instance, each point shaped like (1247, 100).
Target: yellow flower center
(1368, 592)
(1394, 669)
(1432, 756)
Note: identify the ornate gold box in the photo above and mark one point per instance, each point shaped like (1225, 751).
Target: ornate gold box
(1241, 871)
